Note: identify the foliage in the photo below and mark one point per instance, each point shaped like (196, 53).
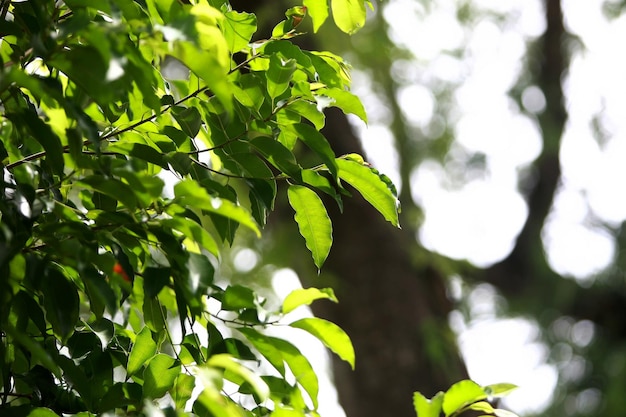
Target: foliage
(106, 270)
(463, 396)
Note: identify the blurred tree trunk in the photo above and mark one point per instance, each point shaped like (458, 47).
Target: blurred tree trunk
(394, 310)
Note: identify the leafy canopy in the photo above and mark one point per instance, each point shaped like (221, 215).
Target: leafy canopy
(138, 138)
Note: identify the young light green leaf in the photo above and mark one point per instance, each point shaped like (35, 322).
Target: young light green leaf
(483, 406)
(425, 407)
(41, 412)
(238, 29)
(313, 221)
(226, 362)
(349, 15)
(460, 395)
(305, 296)
(331, 335)
(318, 10)
(143, 349)
(160, 375)
(499, 390)
(371, 187)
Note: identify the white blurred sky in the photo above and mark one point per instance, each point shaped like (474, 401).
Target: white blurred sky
(479, 220)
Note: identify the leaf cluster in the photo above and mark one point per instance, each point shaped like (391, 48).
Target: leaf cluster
(137, 139)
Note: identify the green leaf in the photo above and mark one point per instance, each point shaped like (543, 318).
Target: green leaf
(200, 275)
(194, 195)
(193, 231)
(160, 375)
(143, 349)
(61, 302)
(345, 100)
(189, 120)
(331, 335)
(499, 390)
(425, 407)
(279, 75)
(42, 412)
(318, 10)
(154, 279)
(113, 188)
(308, 110)
(227, 363)
(238, 29)
(349, 15)
(313, 221)
(237, 297)
(182, 390)
(277, 352)
(483, 406)
(305, 296)
(282, 411)
(460, 395)
(278, 155)
(371, 187)
(318, 144)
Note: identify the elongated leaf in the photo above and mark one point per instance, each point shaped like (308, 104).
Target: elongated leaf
(425, 407)
(313, 221)
(61, 302)
(227, 363)
(278, 155)
(318, 10)
(460, 395)
(371, 187)
(499, 390)
(182, 390)
(194, 195)
(331, 335)
(193, 231)
(349, 15)
(160, 375)
(305, 296)
(318, 144)
(111, 187)
(277, 352)
(143, 349)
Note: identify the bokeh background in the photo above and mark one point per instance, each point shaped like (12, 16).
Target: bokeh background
(503, 125)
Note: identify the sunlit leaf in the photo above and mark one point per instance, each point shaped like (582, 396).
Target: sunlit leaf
(182, 390)
(349, 15)
(226, 362)
(305, 296)
(425, 407)
(194, 195)
(313, 221)
(331, 335)
(160, 375)
(499, 390)
(460, 395)
(371, 187)
(318, 10)
(143, 349)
